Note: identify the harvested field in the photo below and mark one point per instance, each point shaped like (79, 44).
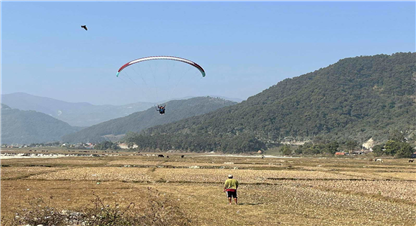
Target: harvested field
(399, 175)
(298, 191)
(97, 174)
(52, 162)
(247, 176)
(225, 165)
(399, 190)
(23, 172)
(138, 162)
(377, 175)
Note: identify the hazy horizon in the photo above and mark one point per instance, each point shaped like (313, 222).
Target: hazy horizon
(156, 102)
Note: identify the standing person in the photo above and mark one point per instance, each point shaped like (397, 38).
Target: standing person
(230, 187)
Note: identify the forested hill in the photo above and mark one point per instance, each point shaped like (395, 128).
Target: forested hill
(25, 127)
(355, 98)
(136, 122)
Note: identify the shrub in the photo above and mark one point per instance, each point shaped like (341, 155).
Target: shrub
(154, 211)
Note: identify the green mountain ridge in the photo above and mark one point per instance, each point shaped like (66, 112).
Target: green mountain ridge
(136, 122)
(25, 127)
(356, 98)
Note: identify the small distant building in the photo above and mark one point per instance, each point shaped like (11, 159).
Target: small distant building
(339, 153)
(89, 146)
(368, 144)
(365, 151)
(126, 146)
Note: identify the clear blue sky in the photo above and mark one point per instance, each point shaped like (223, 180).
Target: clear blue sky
(245, 47)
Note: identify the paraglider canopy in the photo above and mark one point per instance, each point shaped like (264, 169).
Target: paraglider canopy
(171, 77)
(162, 58)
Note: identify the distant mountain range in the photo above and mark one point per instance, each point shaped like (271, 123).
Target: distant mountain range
(78, 114)
(354, 99)
(25, 127)
(136, 122)
(75, 114)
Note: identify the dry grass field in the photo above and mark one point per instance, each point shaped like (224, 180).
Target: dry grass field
(273, 191)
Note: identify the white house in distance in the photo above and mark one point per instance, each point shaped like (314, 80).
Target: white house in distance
(126, 146)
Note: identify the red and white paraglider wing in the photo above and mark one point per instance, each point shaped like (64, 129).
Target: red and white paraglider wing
(163, 58)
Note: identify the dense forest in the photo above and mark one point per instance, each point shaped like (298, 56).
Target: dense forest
(354, 99)
(25, 127)
(136, 122)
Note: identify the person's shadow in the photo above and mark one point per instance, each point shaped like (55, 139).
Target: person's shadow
(250, 204)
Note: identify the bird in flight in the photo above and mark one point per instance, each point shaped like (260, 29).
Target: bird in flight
(85, 27)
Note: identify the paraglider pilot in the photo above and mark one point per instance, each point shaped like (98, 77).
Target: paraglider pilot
(161, 109)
